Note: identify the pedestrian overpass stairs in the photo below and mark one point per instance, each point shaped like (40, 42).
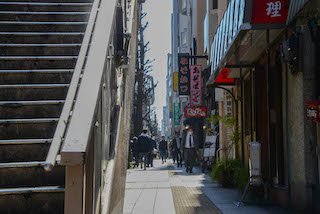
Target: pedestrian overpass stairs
(56, 55)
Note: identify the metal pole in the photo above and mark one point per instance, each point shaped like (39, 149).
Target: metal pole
(287, 134)
(242, 123)
(267, 102)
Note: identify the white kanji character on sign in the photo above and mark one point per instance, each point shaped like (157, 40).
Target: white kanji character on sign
(274, 8)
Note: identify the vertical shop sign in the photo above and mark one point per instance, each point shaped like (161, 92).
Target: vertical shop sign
(195, 79)
(269, 11)
(176, 114)
(175, 81)
(184, 74)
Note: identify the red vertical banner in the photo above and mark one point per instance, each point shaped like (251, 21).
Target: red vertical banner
(195, 83)
(269, 11)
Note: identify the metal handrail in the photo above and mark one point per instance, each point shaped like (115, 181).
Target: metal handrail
(72, 92)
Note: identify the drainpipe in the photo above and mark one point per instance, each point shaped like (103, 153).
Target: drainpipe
(287, 135)
(242, 123)
(267, 104)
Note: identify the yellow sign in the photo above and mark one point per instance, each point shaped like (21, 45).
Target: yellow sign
(170, 104)
(175, 81)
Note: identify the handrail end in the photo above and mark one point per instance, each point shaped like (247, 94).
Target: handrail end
(48, 167)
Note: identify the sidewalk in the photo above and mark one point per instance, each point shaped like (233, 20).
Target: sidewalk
(149, 191)
(166, 188)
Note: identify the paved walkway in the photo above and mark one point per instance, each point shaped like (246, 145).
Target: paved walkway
(167, 189)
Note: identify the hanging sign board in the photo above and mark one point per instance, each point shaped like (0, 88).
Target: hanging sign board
(223, 78)
(313, 111)
(195, 112)
(195, 79)
(184, 74)
(269, 11)
(175, 81)
(176, 114)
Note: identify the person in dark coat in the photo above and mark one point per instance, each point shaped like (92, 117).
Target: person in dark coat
(163, 148)
(177, 148)
(144, 145)
(190, 146)
(151, 154)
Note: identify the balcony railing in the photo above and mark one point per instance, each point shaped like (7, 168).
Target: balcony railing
(229, 27)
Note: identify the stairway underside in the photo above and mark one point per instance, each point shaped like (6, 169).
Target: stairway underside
(39, 46)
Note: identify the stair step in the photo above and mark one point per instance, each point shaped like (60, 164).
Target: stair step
(25, 141)
(38, 57)
(35, 86)
(16, 111)
(45, 3)
(48, 62)
(33, 93)
(45, 13)
(39, 49)
(21, 174)
(41, 71)
(20, 26)
(35, 77)
(44, 16)
(40, 45)
(41, 37)
(22, 164)
(49, 200)
(45, 6)
(26, 152)
(6, 191)
(24, 103)
(50, 1)
(41, 23)
(34, 120)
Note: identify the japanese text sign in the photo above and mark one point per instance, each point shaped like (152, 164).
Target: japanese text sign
(184, 74)
(195, 112)
(269, 11)
(195, 80)
(176, 114)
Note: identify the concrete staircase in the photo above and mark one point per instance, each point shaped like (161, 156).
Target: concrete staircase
(39, 45)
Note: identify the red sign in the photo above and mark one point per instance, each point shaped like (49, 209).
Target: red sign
(195, 80)
(184, 74)
(223, 78)
(313, 110)
(195, 112)
(269, 11)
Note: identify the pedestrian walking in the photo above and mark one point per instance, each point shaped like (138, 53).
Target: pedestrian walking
(151, 154)
(177, 148)
(135, 151)
(163, 148)
(144, 144)
(190, 146)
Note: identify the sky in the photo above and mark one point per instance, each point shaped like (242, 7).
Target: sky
(159, 35)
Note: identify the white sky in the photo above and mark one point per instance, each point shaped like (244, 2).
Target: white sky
(159, 35)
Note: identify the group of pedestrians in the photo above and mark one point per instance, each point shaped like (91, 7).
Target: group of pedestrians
(183, 148)
(143, 149)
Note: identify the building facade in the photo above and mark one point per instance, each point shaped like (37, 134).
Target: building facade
(261, 73)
